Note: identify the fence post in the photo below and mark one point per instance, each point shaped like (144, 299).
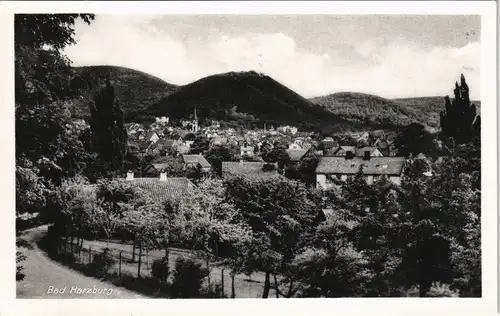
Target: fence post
(222, 282)
(90, 255)
(120, 264)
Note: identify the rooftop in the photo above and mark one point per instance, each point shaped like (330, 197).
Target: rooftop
(247, 169)
(296, 154)
(374, 166)
(162, 190)
(196, 159)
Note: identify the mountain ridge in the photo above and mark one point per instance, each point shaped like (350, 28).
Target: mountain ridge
(252, 97)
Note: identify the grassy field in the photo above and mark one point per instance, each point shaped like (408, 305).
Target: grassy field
(245, 286)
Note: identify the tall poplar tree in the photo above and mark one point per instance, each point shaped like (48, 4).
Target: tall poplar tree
(458, 119)
(109, 137)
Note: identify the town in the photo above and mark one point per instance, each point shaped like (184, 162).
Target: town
(189, 143)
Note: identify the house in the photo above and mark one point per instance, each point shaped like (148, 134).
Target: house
(167, 146)
(247, 151)
(196, 161)
(371, 151)
(327, 143)
(140, 135)
(163, 187)
(294, 146)
(162, 120)
(363, 137)
(342, 151)
(152, 136)
(341, 168)
(156, 168)
(219, 141)
(381, 143)
(249, 170)
(182, 149)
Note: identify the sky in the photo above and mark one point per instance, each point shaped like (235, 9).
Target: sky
(391, 56)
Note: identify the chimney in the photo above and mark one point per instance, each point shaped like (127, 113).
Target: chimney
(130, 176)
(349, 155)
(163, 175)
(366, 156)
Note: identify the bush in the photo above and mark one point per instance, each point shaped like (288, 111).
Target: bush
(160, 269)
(67, 258)
(102, 263)
(269, 167)
(214, 292)
(188, 278)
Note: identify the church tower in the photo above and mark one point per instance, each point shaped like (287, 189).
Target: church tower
(194, 125)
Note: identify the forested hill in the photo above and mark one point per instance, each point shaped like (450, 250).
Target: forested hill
(135, 90)
(371, 109)
(247, 97)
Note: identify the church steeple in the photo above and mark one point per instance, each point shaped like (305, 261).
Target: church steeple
(194, 125)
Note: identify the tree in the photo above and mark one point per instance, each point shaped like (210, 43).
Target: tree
(331, 266)
(459, 115)
(279, 214)
(413, 140)
(199, 146)
(46, 149)
(142, 221)
(42, 74)
(277, 154)
(217, 154)
(305, 170)
(109, 137)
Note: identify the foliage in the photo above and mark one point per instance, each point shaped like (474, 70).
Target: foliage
(217, 154)
(277, 154)
(413, 140)
(188, 278)
(160, 269)
(199, 146)
(47, 148)
(304, 170)
(458, 118)
(370, 110)
(109, 137)
(102, 263)
(279, 213)
(136, 90)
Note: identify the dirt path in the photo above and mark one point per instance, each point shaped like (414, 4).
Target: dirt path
(43, 275)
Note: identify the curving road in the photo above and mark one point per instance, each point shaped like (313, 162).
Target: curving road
(44, 277)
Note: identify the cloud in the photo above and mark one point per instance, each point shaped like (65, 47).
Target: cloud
(391, 70)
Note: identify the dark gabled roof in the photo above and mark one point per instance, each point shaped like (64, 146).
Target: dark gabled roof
(342, 150)
(160, 166)
(296, 154)
(374, 166)
(247, 169)
(163, 190)
(195, 160)
(360, 152)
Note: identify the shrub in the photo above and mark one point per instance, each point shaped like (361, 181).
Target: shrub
(160, 269)
(214, 291)
(188, 278)
(269, 167)
(102, 264)
(67, 258)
